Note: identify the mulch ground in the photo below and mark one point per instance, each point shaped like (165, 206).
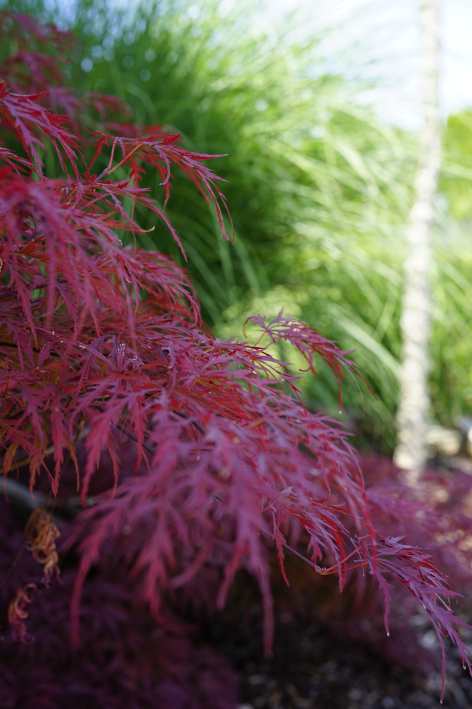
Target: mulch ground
(311, 669)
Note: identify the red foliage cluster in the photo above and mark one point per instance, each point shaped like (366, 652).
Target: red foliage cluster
(101, 343)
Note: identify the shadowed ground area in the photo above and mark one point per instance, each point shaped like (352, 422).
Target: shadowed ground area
(312, 670)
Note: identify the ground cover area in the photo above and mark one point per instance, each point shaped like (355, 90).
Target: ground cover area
(312, 670)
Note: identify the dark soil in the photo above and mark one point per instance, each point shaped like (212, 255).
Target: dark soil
(312, 670)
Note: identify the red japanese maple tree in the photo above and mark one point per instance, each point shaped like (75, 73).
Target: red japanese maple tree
(102, 348)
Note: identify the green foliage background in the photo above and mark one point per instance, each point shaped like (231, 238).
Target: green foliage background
(318, 188)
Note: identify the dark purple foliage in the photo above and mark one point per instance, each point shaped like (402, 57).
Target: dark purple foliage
(101, 344)
(125, 661)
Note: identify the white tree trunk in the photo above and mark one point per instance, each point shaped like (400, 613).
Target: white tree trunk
(412, 416)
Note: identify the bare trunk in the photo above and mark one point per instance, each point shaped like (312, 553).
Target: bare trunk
(412, 416)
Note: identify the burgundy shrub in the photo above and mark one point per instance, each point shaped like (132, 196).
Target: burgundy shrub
(125, 660)
(102, 344)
